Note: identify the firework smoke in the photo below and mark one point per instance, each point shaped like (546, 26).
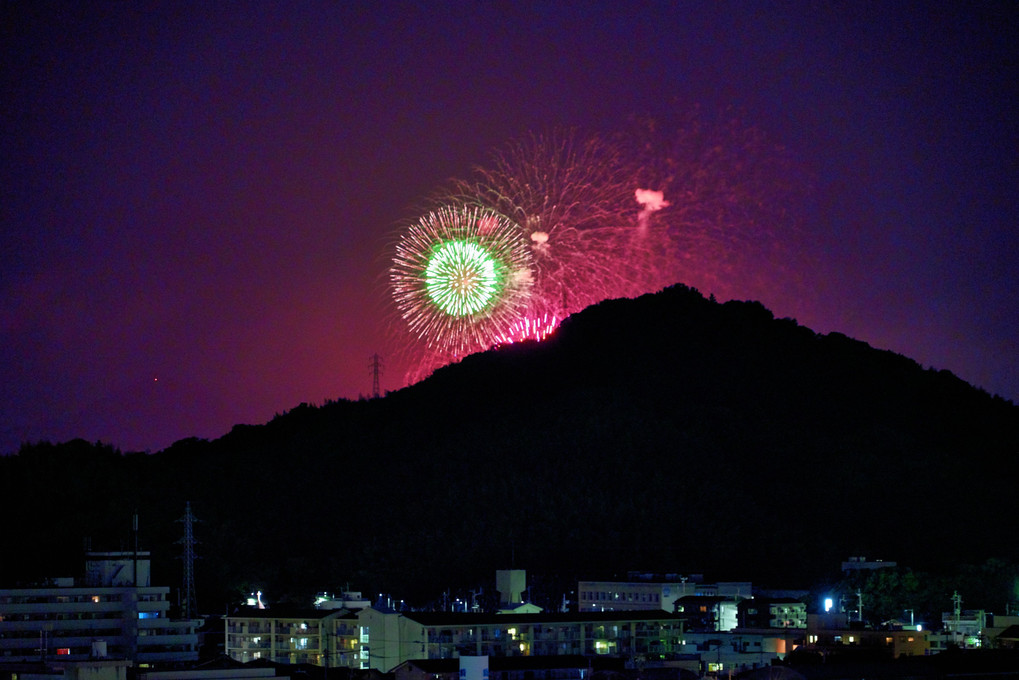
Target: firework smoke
(652, 201)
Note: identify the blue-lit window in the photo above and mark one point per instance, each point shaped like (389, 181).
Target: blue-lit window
(148, 615)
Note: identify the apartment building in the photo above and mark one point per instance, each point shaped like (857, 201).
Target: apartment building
(114, 612)
(391, 638)
(323, 637)
(643, 592)
(764, 612)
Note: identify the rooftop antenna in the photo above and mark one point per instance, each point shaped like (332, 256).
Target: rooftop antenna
(190, 600)
(375, 368)
(474, 599)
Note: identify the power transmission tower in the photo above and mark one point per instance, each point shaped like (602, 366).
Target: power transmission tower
(375, 368)
(190, 604)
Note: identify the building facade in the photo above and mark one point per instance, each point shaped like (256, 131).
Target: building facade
(832, 633)
(762, 612)
(323, 637)
(391, 638)
(652, 593)
(115, 613)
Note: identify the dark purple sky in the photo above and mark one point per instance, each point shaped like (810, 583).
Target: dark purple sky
(196, 198)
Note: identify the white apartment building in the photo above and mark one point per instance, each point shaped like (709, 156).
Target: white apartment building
(114, 612)
(641, 594)
(324, 637)
(390, 638)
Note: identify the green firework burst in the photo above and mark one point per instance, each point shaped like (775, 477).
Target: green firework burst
(459, 277)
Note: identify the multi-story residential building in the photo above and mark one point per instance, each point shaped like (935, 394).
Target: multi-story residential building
(390, 638)
(324, 637)
(707, 613)
(650, 592)
(115, 612)
(763, 612)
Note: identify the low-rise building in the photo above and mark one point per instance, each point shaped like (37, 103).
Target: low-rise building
(737, 651)
(707, 613)
(642, 592)
(58, 668)
(289, 635)
(763, 612)
(860, 563)
(390, 638)
(831, 633)
(512, 668)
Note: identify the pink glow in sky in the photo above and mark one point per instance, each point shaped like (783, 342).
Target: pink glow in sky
(197, 199)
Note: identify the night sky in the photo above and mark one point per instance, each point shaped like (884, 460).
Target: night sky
(197, 199)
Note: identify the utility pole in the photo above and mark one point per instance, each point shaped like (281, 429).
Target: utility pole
(134, 532)
(375, 369)
(957, 606)
(190, 599)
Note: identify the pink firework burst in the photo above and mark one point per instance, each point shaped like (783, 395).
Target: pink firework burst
(529, 328)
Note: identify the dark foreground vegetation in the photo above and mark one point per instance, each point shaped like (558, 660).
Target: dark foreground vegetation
(667, 433)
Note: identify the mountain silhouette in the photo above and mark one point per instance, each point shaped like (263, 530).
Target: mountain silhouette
(664, 433)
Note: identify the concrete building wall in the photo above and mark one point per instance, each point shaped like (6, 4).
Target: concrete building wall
(65, 621)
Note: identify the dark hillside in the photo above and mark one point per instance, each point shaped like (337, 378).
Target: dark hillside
(667, 432)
